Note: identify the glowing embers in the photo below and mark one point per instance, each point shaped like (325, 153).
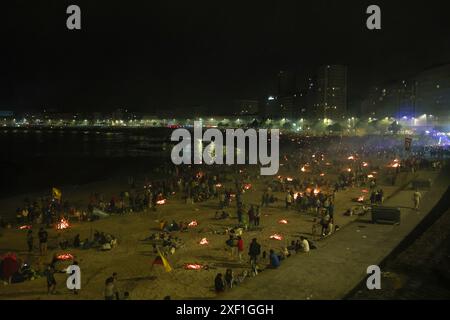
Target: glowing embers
(161, 202)
(305, 168)
(394, 164)
(64, 256)
(276, 237)
(62, 224)
(283, 221)
(194, 266)
(193, 224)
(204, 242)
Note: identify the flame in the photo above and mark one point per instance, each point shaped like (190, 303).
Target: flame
(193, 223)
(351, 158)
(360, 198)
(303, 169)
(193, 266)
(276, 237)
(65, 256)
(25, 227)
(162, 201)
(218, 185)
(289, 179)
(297, 194)
(63, 224)
(322, 174)
(283, 221)
(247, 186)
(365, 164)
(316, 190)
(395, 165)
(370, 176)
(204, 241)
(349, 170)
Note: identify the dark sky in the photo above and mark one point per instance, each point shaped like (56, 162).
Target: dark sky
(153, 55)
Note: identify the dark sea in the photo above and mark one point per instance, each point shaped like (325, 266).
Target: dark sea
(33, 159)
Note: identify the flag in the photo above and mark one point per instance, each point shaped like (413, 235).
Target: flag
(56, 193)
(160, 259)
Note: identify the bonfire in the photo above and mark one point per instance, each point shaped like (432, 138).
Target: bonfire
(63, 224)
(65, 256)
(193, 266)
(162, 201)
(193, 223)
(276, 237)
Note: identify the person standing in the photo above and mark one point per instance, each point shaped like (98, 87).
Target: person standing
(43, 237)
(240, 247)
(416, 198)
(110, 289)
(51, 281)
(30, 240)
(254, 252)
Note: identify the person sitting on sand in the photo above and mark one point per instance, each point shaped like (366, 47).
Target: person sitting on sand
(229, 278)
(218, 283)
(274, 259)
(305, 244)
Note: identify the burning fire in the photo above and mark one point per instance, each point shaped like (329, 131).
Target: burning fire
(276, 237)
(204, 241)
(193, 266)
(283, 221)
(365, 164)
(316, 191)
(63, 224)
(289, 179)
(360, 198)
(193, 223)
(65, 256)
(370, 176)
(218, 185)
(304, 168)
(162, 201)
(322, 174)
(297, 194)
(247, 186)
(25, 227)
(351, 158)
(395, 165)
(349, 170)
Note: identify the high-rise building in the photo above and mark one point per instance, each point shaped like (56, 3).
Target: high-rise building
(331, 91)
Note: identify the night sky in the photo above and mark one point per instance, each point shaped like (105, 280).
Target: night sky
(172, 55)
